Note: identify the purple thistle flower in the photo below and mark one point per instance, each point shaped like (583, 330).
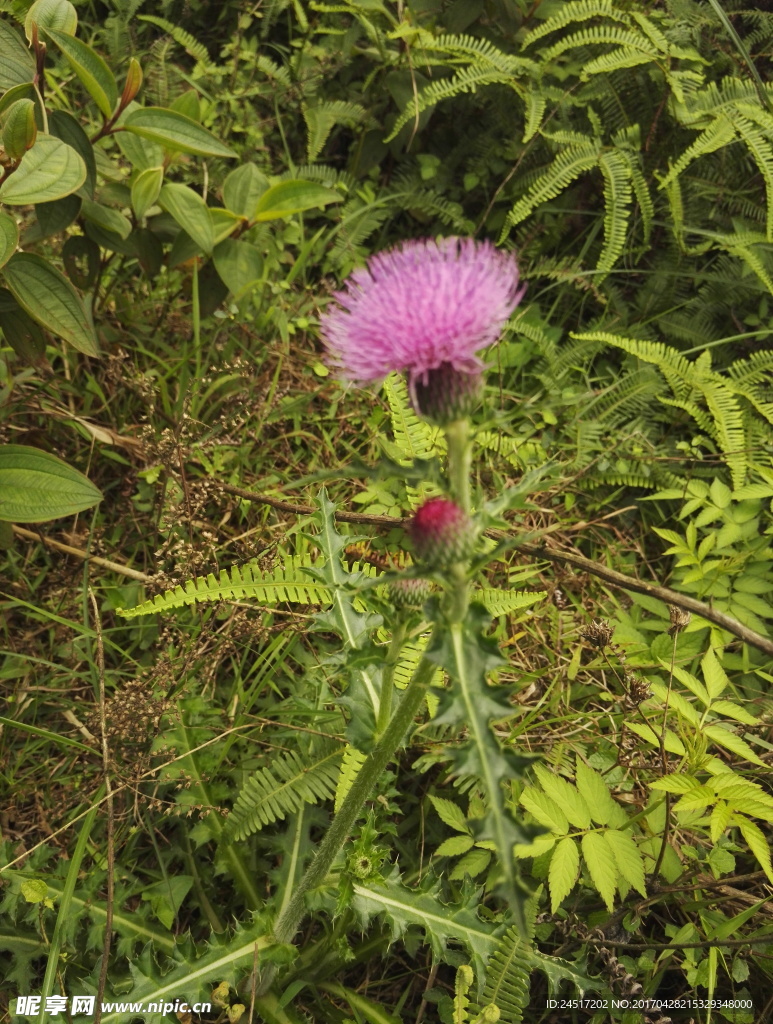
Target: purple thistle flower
(419, 306)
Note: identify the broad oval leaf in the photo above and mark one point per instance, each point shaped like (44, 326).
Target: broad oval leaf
(243, 188)
(9, 237)
(174, 131)
(238, 264)
(17, 65)
(36, 486)
(52, 218)
(51, 14)
(50, 170)
(191, 213)
(289, 197)
(96, 76)
(48, 297)
(145, 189)
(65, 127)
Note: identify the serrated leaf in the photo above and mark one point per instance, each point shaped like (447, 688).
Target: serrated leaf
(50, 170)
(9, 237)
(562, 873)
(565, 795)
(546, 811)
(674, 783)
(757, 842)
(713, 673)
(593, 789)
(96, 76)
(721, 814)
(732, 742)
(450, 813)
(647, 732)
(49, 298)
(454, 846)
(728, 709)
(291, 197)
(36, 486)
(174, 131)
(627, 857)
(472, 864)
(601, 866)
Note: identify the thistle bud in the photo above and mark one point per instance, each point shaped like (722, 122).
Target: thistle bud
(446, 394)
(442, 533)
(408, 593)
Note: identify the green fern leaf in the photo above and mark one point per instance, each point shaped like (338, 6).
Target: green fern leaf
(508, 974)
(321, 118)
(567, 166)
(617, 207)
(502, 602)
(271, 793)
(581, 10)
(353, 760)
(191, 45)
(287, 583)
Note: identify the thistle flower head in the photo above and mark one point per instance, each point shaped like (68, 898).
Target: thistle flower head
(419, 306)
(442, 533)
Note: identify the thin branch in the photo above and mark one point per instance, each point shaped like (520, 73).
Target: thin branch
(611, 576)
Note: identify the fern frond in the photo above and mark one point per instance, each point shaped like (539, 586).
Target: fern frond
(285, 583)
(567, 166)
(720, 133)
(508, 975)
(191, 45)
(502, 602)
(579, 10)
(415, 438)
(281, 789)
(353, 760)
(617, 207)
(321, 118)
(629, 42)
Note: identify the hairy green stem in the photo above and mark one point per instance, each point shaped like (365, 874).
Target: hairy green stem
(388, 677)
(289, 920)
(459, 462)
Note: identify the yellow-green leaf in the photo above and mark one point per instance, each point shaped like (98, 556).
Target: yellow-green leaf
(562, 873)
(728, 739)
(713, 673)
(601, 866)
(243, 188)
(20, 129)
(546, 811)
(603, 809)
(565, 795)
(758, 844)
(17, 65)
(472, 864)
(450, 813)
(627, 858)
(454, 846)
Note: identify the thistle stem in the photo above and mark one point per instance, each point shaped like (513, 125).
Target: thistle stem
(289, 920)
(388, 677)
(459, 462)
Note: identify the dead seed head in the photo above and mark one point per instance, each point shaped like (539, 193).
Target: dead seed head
(597, 634)
(680, 619)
